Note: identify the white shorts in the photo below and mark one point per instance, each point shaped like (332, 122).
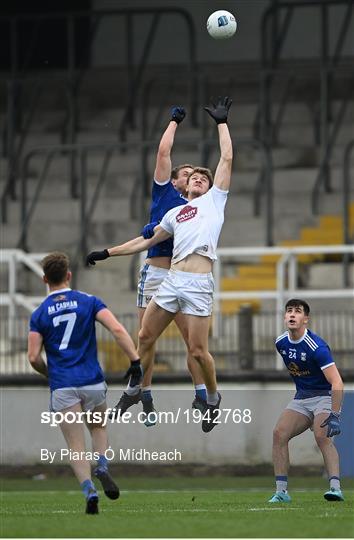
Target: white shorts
(190, 293)
(150, 279)
(89, 396)
(311, 407)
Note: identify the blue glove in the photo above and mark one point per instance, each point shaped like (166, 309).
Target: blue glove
(148, 230)
(333, 424)
(178, 114)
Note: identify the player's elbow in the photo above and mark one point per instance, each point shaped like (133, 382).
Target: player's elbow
(118, 331)
(337, 384)
(227, 156)
(33, 359)
(164, 151)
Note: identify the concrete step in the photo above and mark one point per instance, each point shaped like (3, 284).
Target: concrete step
(63, 210)
(57, 235)
(110, 281)
(321, 274)
(93, 116)
(57, 186)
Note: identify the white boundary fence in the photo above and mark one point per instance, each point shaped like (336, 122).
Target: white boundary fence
(287, 278)
(12, 297)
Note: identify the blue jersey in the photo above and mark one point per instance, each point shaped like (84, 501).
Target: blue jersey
(66, 321)
(164, 197)
(306, 359)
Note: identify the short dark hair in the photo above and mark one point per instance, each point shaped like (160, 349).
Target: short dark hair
(55, 267)
(296, 302)
(175, 170)
(203, 170)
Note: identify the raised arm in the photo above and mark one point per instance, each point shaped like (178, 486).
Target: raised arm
(136, 245)
(163, 159)
(219, 112)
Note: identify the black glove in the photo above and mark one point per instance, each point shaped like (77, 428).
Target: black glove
(148, 230)
(135, 373)
(96, 256)
(219, 111)
(178, 114)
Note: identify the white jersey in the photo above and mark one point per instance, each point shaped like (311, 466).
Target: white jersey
(196, 226)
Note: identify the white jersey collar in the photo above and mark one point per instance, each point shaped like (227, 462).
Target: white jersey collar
(298, 340)
(59, 291)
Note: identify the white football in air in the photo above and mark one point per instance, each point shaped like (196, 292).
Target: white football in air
(221, 24)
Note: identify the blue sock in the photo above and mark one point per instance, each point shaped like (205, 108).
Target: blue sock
(146, 393)
(102, 462)
(88, 488)
(200, 391)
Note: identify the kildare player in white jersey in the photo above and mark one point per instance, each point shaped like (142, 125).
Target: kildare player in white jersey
(168, 189)
(317, 402)
(189, 285)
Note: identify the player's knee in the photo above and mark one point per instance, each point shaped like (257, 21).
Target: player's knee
(280, 435)
(145, 338)
(322, 440)
(198, 353)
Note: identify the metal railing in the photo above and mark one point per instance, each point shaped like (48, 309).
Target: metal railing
(273, 38)
(75, 72)
(139, 192)
(335, 327)
(13, 298)
(348, 233)
(287, 280)
(348, 237)
(19, 122)
(225, 343)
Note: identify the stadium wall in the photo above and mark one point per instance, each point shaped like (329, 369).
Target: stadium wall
(236, 441)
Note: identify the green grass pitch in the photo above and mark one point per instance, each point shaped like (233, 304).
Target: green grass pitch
(175, 507)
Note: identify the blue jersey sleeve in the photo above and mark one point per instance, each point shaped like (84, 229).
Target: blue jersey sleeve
(34, 325)
(98, 305)
(323, 357)
(159, 188)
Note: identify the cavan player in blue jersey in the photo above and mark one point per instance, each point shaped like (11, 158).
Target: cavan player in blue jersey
(64, 324)
(317, 402)
(168, 190)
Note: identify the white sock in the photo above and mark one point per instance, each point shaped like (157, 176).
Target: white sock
(334, 482)
(281, 485)
(213, 398)
(132, 390)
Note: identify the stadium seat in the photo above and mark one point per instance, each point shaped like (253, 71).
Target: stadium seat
(111, 356)
(262, 276)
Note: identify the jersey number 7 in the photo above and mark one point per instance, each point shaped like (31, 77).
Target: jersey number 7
(70, 319)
